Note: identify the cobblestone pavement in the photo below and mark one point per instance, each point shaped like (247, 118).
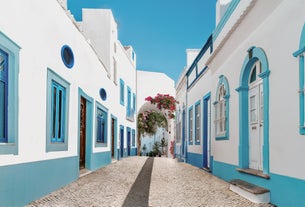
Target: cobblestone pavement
(128, 183)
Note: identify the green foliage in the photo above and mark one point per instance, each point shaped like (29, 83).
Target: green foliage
(149, 121)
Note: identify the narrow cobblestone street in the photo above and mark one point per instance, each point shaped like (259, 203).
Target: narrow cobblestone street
(143, 181)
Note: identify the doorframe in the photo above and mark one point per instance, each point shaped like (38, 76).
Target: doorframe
(206, 131)
(121, 141)
(128, 138)
(254, 54)
(115, 136)
(89, 116)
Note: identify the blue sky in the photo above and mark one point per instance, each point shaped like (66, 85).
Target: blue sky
(160, 31)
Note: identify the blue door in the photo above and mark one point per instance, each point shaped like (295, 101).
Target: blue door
(206, 132)
(122, 140)
(128, 141)
(183, 150)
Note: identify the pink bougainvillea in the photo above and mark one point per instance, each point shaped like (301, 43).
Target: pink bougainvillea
(164, 102)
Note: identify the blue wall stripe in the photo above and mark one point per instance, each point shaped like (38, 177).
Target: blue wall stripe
(195, 159)
(23, 183)
(280, 186)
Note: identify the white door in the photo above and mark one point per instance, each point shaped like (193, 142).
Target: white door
(256, 126)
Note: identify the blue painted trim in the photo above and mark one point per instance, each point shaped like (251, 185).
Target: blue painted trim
(300, 55)
(257, 54)
(51, 145)
(89, 126)
(207, 45)
(301, 95)
(190, 137)
(195, 159)
(105, 111)
(197, 142)
(205, 128)
(299, 52)
(100, 159)
(12, 116)
(128, 105)
(279, 185)
(121, 141)
(69, 59)
(122, 92)
(23, 183)
(133, 137)
(223, 80)
(115, 136)
(134, 105)
(231, 8)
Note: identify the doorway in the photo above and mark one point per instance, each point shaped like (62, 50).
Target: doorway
(206, 132)
(82, 145)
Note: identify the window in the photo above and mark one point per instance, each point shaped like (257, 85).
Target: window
(197, 122)
(134, 103)
(57, 112)
(300, 55)
(133, 138)
(67, 56)
(222, 109)
(103, 94)
(122, 89)
(129, 110)
(9, 70)
(3, 95)
(101, 125)
(191, 125)
(58, 108)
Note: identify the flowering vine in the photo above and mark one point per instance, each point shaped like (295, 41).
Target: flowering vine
(148, 121)
(164, 102)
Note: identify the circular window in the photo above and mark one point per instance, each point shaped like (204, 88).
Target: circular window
(67, 56)
(103, 94)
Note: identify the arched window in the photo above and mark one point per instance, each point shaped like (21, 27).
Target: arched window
(222, 109)
(300, 55)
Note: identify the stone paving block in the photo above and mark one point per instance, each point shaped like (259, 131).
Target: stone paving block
(173, 184)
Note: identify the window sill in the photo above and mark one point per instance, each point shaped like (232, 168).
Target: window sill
(257, 173)
(218, 138)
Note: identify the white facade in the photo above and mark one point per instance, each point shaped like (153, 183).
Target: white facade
(254, 75)
(150, 84)
(35, 43)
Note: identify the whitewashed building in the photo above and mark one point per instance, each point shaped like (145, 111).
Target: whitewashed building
(68, 97)
(245, 99)
(150, 84)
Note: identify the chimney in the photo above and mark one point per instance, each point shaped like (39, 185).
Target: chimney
(221, 8)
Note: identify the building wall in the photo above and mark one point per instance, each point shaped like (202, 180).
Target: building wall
(253, 26)
(41, 33)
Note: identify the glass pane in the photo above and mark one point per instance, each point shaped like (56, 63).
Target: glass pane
(261, 107)
(99, 130)
(54, 113)
(2, 61)
(2, 109)
(60, 103)
(253, 115)
(253, 75)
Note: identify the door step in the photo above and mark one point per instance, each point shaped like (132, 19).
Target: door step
(254, 193)
(206, 169)
(84, 172)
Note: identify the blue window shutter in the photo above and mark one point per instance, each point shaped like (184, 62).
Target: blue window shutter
(58, 113)
(3, 95)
